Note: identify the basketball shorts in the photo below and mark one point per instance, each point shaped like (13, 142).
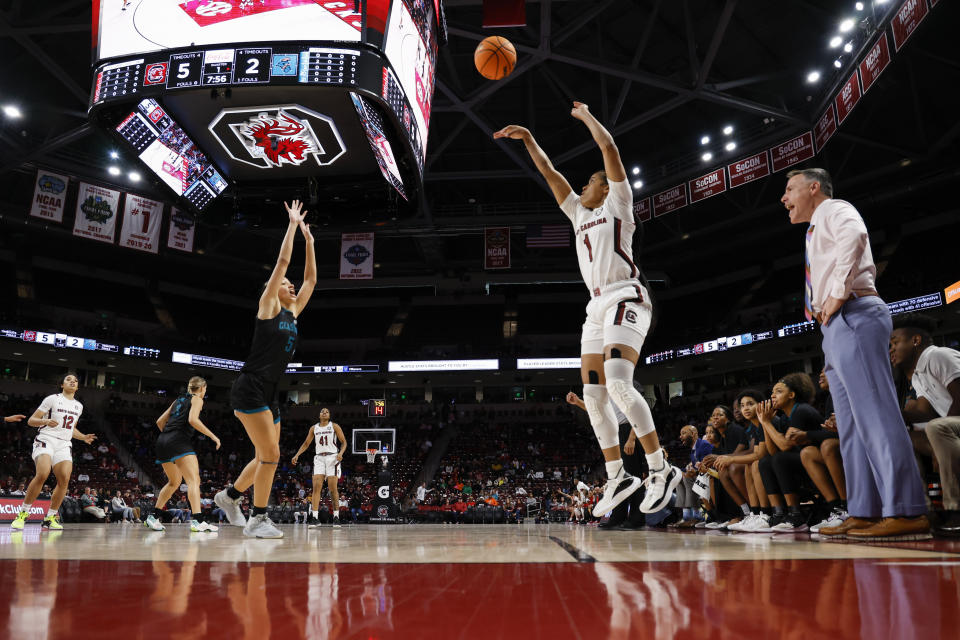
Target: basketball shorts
(327, 465)
(58, 450)
(251, 394)
(173, 446)
(621, 314)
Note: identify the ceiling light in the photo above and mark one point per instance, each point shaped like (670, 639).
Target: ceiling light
(705, 140)
(12, 111)
(730, 146)
(813, 76)
(837, 63)
(636, 171)
(859, 6)
(835, 42)
(638, 184)
(134, 176)
(707, 157)
(847, 25)
(848, 47)
(114, 155)
(114, 171)
(727, 130)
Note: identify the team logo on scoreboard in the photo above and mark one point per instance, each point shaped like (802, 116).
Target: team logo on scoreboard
(155, 74)
(277, 136)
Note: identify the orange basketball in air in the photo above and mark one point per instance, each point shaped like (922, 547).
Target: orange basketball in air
(495, 57)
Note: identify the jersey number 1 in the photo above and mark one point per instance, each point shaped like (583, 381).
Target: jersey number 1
(586, 241)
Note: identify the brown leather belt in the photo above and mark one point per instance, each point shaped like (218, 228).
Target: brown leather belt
(866, 293)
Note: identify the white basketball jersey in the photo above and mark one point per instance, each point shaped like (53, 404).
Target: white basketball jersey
(65, 412)
(325, 438)
(604, 237)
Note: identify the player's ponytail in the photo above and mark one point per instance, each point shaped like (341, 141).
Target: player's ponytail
(195, 384)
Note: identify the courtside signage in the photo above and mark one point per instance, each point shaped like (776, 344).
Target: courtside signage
(10, 507)
(548, 363)
(443, 365)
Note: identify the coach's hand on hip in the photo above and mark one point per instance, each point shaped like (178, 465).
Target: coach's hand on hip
(830, 308)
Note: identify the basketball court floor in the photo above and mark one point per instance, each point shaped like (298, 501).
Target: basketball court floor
(470, 581)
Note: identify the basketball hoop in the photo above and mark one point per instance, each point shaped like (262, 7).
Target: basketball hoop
(371, 455)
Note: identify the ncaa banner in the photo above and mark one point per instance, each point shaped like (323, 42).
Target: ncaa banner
(181, 231)
(141, 223)
(96, 213)
(356, 256)
(496, 247)
(49, 195)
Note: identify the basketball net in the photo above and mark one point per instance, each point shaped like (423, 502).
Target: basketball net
(371, 455)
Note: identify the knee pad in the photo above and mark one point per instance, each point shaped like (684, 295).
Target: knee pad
(602, 418)
(619, 373)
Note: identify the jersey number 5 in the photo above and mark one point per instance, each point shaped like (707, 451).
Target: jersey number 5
(289, 346)
(586, 241)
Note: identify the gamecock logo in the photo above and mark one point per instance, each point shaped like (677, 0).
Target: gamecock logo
(278, 137)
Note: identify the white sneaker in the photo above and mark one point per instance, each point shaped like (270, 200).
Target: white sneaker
(616, 491)
(660, 486)
(717, 525)
(261, 526)
(794, 523)
(202, 527)
(756, 523)
(835, 519)
(152, 522)
(231, 508)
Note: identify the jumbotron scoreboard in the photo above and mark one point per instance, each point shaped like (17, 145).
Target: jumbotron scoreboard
(214, 93)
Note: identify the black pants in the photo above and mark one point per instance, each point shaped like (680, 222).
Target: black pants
(783, 472)
(634, 464)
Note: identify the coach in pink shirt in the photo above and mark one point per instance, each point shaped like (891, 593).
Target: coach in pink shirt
(885, 494)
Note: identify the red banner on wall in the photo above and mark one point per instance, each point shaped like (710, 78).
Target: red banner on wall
(10, 507)
(496, 247)
(848, 97)
(875, 62)
(749, 169)
(825, 128)
(670, 200)
(792, 151)
(641, 210)
(708, 185)
(908, 18)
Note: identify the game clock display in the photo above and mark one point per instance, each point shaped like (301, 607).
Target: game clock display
(377, 408)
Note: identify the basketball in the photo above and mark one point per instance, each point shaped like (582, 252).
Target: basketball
(495, 57)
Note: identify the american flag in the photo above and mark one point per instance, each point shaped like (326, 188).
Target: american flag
(548, 235)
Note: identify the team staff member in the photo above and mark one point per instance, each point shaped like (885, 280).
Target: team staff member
(884, 490)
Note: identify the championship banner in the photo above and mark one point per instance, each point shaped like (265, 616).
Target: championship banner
(96, 213)
(709, 185)
(141, 223)
(825, 128)
(641, 210)
(496, 247)
(791, 152)
(908, 18)
(182, 227)
(875, 62)
(356, 256)
(670, 200)
(749, 169)
(848, 97)
(49, 195)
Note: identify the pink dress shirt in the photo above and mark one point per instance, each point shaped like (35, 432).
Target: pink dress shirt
(841, 262)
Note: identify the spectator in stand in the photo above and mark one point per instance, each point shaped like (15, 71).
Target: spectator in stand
(782, 470)
(119, 507)
(934, 374)
(20, 490)
(88, 502)
(687, 499)
(885, 492)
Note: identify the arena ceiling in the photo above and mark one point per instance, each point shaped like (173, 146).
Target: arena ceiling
(661, 74)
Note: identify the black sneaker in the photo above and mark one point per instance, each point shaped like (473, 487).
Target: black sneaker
(312, 523)
(791, 523)
(776, 519)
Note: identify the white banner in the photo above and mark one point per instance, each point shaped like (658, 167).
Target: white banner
(356, 256)
(141, 223)
(443, 365)
(96, 212)
(182, 227)
(548, 363)
(49, 196)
